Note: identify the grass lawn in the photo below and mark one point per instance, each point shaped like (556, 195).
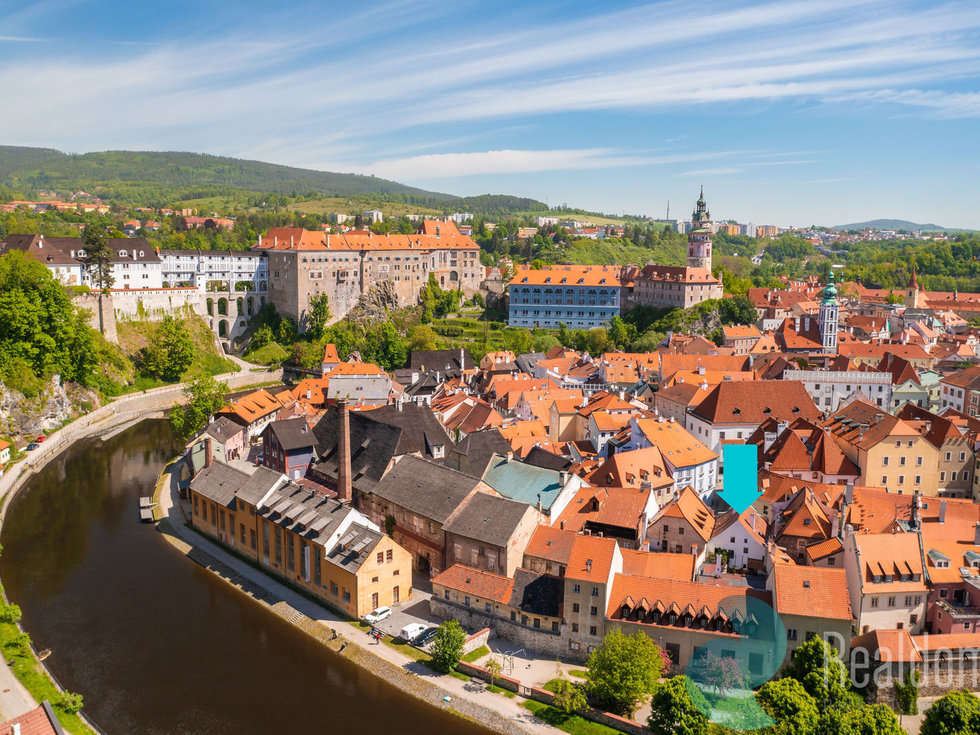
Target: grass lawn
(497, 690)
(580, 673)
(565, 722)
(31, 674)
(269, 354)
(407, 650)
(476, 654)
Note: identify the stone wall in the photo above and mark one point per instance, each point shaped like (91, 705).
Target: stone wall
(535, 639)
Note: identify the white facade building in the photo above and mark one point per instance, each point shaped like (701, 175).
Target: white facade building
(830, 388)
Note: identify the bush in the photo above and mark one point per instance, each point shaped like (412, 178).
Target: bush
(10, 614)
(70, 702)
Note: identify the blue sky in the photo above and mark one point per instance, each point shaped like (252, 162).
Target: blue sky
(789, 112)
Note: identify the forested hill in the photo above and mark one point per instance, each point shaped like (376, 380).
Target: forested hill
(151, 177)
(46, 168)
(892, 224)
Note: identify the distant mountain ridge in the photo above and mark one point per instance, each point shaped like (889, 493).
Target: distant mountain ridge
(170, 173)
(893, 224)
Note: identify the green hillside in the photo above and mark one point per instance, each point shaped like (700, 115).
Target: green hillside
(892, 224)
(152, 178)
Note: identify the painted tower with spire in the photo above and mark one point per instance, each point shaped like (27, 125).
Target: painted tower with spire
(828, 317)
(699, 239)
(914, 298)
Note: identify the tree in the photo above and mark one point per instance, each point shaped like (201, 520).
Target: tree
(853, 718)
(621, 333)
(569, 696)
(822, 674)
(622, 670)
(956, 713)
(494, 668)
(263, 336)
(894, 298)
(423, 338)
(319, 314)
(205, 396)
(519, 341)
(286, 334)
(907, 694)
(677, 709)
(597, 341)
(70, 702)
(721, 673)
(787, 702)
(41, 331)
(170, 351)
(384, 346)
(98, 257)
(738, 310)
(447, 646)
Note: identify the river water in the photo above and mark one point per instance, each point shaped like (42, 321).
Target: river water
(155, 643)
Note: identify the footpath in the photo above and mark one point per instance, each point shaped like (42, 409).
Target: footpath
(115, 416)
(466, 699)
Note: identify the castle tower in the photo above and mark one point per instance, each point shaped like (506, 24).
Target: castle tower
(699, 239)
(828, 317)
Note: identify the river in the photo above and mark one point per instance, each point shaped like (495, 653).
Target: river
(155, 643)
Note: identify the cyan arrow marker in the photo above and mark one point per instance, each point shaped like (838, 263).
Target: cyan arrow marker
(741, 476)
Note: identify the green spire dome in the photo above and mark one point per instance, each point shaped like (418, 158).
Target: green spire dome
(701, 213)
(829, 293)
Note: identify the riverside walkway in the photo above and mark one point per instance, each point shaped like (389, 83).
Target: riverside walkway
(466, 699)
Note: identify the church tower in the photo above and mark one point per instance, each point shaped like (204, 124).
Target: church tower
(699, 239)
(914, 298)
(828, 317)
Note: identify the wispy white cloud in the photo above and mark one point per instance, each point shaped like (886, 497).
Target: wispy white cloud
(313, 98)
(452, 165)
(713, 172)
(22, 39)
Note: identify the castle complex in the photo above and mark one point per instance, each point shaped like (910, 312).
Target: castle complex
(287, 266)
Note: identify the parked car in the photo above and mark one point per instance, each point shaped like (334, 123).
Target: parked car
(32, 446)
(377, 615)
(40, 438)
(410, 631)
(426, 636)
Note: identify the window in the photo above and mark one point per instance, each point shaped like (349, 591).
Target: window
(791, 634)
(252, 538)
(195, 506)
(576, 588)
(265, 539)
(592, 630)
(575, 607)
(513, 615)
(242, 533)
(575, 630)
(593, 610)
(278, 545)
(381, 557)
(466, 600)
(290, 554)
(884, 461)
(554, 626)
(918, 461)
(487, 607)
(891, 602)
(874, 602)
(347, 595)
(388, 555)
(333, 589)
(595, 591)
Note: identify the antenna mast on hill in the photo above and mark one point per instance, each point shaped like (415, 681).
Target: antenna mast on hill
(668, 210)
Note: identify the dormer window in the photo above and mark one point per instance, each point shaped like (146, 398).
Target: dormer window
(122, 253)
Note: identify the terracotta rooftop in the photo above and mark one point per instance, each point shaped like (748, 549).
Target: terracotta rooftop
(817, 592)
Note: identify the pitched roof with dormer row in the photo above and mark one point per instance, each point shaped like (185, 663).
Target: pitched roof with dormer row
(752, 402)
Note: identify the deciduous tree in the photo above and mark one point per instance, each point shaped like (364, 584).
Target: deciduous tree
(447, 646)
(677, 709)
(956, 713)
(622, 670)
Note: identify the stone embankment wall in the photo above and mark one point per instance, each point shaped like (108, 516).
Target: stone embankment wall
(122, 410)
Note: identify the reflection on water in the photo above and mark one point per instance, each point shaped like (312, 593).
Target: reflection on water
(155, 643)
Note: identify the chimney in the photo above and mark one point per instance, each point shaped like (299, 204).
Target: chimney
(976, 534)
(208, 452)
(588, 565)
(942, 511)
(540, 508)
(343, 450)
(562, 478)
(510, 456)
(462, 364)
(835, 526)
(849, 493)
